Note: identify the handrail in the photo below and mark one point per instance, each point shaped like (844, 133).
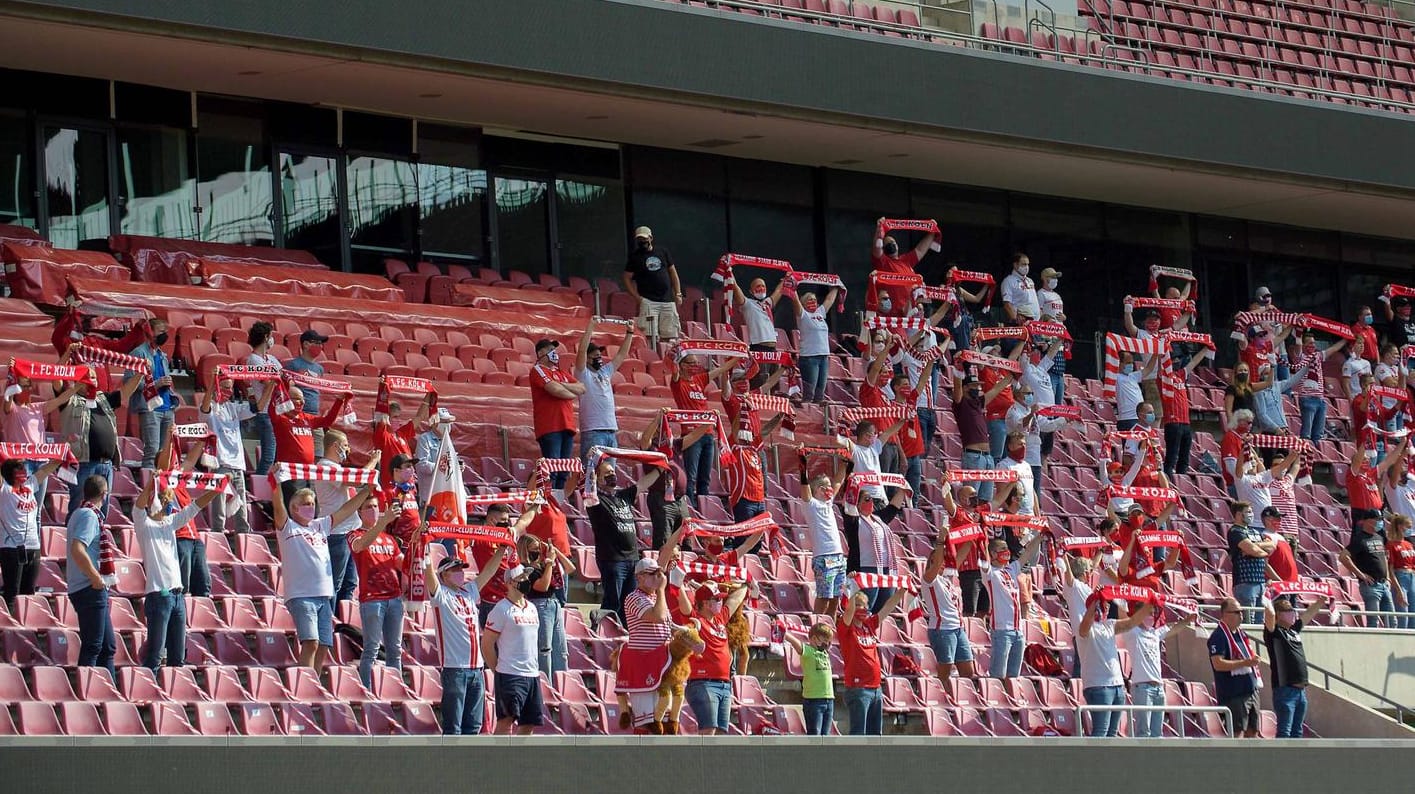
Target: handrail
(1131, 708)
(1328, 676)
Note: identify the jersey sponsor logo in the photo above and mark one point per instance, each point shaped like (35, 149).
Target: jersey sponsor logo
(653, 263)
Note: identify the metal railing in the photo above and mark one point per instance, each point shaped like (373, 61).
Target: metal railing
(1131, 710)
(1328, 676)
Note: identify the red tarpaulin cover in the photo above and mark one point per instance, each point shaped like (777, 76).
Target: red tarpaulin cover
(280, 279)
(21, 235)
(38, 273)
(509, 299)
(163, 260)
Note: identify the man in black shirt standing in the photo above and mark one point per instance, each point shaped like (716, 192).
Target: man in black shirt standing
(1400, 325)
(652, 279)
(1282, 634)
(616, 537)
(1365, 557)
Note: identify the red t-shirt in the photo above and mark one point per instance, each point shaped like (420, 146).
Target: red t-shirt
(1232, 447)
(1175, 403)
(1283, 562)
(749, 425)
(551, 526)
(409, 518)
(744, 476)
(859, 644)
(1362, 490)
(910, 437)
(690, 393)
(495, 589)
(187, 531)
(1371, 351)
(294, 437)
(969, 562)
(1258, 352)
(380, 567)
(391, 443)
(871, 396)
(1402, 555)
(998, 406)
(715, 662)
(902, 264)
(551, 414)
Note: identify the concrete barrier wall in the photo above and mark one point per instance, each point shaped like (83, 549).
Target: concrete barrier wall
(682, 765)
(1381, 662)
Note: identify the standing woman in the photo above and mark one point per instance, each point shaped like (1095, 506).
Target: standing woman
(260, 338)
(19, 526)
(379, 560)
(547, 568)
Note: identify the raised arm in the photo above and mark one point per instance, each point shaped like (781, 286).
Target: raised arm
(492, 566)
(829, 298)
(367, 539)
(622, 354)
(350, 507)
(1128, 316)
(582, 351)
(1134, 618)
(894, 601)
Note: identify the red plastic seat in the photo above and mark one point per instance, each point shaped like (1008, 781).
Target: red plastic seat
(52, 684)
(170, 719)
(123, 719)
(259, 719)
(223, 685)
(214, 719)
(273, 650)
(305, 687)
(81, 719)
(420, 719)
(379, 720)
(339, 720)
(181, 686)
(38, 719)
(95, 685)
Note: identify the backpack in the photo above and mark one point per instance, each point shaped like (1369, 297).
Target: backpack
(903, 664)
(1043, 660)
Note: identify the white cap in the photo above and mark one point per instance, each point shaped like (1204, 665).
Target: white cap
(513, 573)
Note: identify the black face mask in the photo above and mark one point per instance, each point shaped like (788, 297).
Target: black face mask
(160, 339)
(505, 523)
(609, 482)
(596, 363)
(891, 248)
(524, 586)
(642, 245)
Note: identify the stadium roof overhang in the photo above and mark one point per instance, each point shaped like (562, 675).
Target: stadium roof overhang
(1061, 131)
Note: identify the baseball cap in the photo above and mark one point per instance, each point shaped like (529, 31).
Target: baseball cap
(1271, 512)
(706, 593)
(643, 231)
(544, 343)
(1359, 514)
(313, 336)
(449, 563)
(1135, 508)
(1050, 273)
(513, 573)
(645, 565)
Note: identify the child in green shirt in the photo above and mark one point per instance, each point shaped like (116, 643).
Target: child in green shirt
(817, 688)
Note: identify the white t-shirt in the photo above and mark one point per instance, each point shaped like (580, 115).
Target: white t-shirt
(941, 603)
(158, 540)
(875, 538)
(1022, 294)
(458, 629)
(1076, 594)
(1050, 302)
(516, 648)
(1386, 371)
(262, 360)
(304, 559)
(815, 333)
(331, 496)
(225, 423)
(19, 518)
(866, 461)
(1005, 594)
(1037, 377)
(1016, 420)
(1253, 489)
(1401, 498)
(1100, 661)
(913, 368)
(1127, 394)
(1352, 370)
(597, 410)
(761, 325)
(825, 535)
(1144, 359)
(1144, 647)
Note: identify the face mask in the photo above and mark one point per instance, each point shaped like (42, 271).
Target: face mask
(1127, 368)
(608, 481)
(1028, 399)
(1018, 454)
(1035, 357)
(1023, 270)
(885, 305)
(642, 245)
(303, 513)
(553, 356)
(1049, 283)
(1266, 299)
(971, 501)
(160, 339)
(975, 393)
(1242, 377)
(891, 248)
(820, 645)
(1244, 427)
(403, 476)
(866, 507)
(21, 479)
(316, 351)
(342, 455)
(1379, 525)
(1002, 558)
(1247, 518)
(596, 363)
(1148, 418)
(457, 578)
(759, 294)
(524, 587)
(809, 306)
(1309, 349)
(1368, 319)
(1149, 621)
(1286, 619)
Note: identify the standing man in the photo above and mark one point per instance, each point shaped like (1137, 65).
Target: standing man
(1052, 308)
(651, 278)
(88, 592)
(311, 349)
(224, 416)
(1367, 559)
(156, 518)
(1235, 664)
(759, 317)
(1282, 633)
(458, 640)
(1019, 293)
(1103, 682)
(554, 393)
(599, 424)
(689, 385)
(616, 537)
(153, 422)
(1248, 550)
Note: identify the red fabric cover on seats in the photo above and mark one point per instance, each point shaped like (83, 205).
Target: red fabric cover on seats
(163, 260)
(37, 273)
(283, 279)
(507, 299)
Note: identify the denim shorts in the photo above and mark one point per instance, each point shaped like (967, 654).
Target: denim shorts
(830, 575)
(950, 646)
(313, 619)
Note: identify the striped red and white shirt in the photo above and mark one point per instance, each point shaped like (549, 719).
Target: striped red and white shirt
(458, 631)
(1005, 593)
(941, 603)
(875, 548)
(645, 635)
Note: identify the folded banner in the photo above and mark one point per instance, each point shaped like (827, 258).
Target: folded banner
(867, 581)
(194, 480)
(1083, 544)
(909, 225)
(1069, 412)
(1158, 272)
(762, 522)
(1314, 323)
(591, 488)
(520, 496)
(710, 347)
(981, 475)
(956, 277)
(1172, 304)
(1242, 321)
(967, 533)
(470, 533)
(284, 472)
(1034, 523)
(984, 360)
(1000, 332)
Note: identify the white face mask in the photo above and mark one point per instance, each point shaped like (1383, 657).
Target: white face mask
(1023, 270)
(1049, 283)
(759, 294)
(553, 356)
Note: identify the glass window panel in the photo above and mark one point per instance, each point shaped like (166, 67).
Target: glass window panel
(691, 225)
(76, 185)
(523, 225)
(451, 202)
(973, 223)
(1066, 235)
(234, 185)
(382, 203)
(854, 202)
(155, 188)
(589, 219)
(16, 173)
(1298, 286)
(309, 199)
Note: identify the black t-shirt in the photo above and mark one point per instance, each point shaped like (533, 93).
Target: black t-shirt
(1368, 553)
(649, 270)
(615, 537)
(1241, 402)
(1400, 332)
(102, 431)
(1285, 655)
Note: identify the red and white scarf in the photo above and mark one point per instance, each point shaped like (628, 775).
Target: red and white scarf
(967, 533)
(723, 273)
(887, 225)
(1158, 272)
(1314, 323)
(710, 347)
(1017, 520)
(1309, 588)
(956, 277)
(909, 281)
(1141, 493)
(194, 480)
(1189, 337)
(867, 581)
(1115, 344)
(1000, 332)
(762, 522)
(1101, 598)
(1398, 291)
(387, 384)
(1042, 329)
(39, 371)
(1172, 304)
(56, 451)
(470, 533)
(198, 432)
(977, 359)
(1242, 647)
(981, 475)
(284, 472)
(99, 355)
(780, 358)
(1083, 544)
(591, 488)
(796, 278)
(914, 323)
(866, 479)
(850, 417)
(1242, 321)
(691, 419)
(714, 570)
(548, 466)
(771, 404)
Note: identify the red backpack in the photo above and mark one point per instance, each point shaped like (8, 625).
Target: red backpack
(1044, 661)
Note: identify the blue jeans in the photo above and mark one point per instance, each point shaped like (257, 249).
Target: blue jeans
(1148, 724)
(590, 439)
(997, 438)
(711, 702)
(1104, 723)
(813, 369)
(928, 424)
(191, 561)
(1290, 706)
(557, 444)
(554, 654)
(617, 582)
(313, 619)
(972, 459)
(1314, 417)
(346, 574)
(41, 487)
(166, 627)
(745, 509)
(698, 462)
(1056, 373)
(265, 434)
(914, 473)
(1006, 654)
(1406, 580)
(1377, 598)
(87, 469)
(463, 689)
(877, 595)
(97, 644)
(383, 625)
(1178, 440)
(866, 708)
(820, 715)
(1250, 596)
(152, 428)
